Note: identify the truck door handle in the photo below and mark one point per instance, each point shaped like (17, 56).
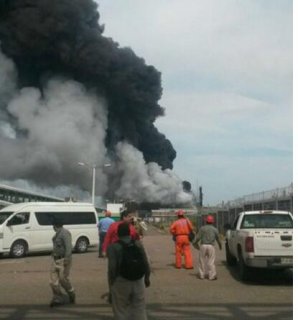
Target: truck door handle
(27, 228)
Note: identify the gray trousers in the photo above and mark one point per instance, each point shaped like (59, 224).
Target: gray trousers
(128, 299)
(59, 278)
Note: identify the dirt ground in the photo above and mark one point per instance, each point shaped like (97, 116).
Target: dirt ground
(174, 294)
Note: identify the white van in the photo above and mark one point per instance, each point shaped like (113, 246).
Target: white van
(27, 227)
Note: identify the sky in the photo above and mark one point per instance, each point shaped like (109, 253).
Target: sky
(227, 75)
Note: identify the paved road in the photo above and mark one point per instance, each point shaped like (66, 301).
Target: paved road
(174, 294)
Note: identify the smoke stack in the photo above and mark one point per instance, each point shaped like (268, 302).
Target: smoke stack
(201, 197)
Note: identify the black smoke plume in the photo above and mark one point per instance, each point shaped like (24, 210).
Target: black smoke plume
(45, 37)
(51, 42)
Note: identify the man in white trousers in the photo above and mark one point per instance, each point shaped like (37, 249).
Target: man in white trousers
(206, 238)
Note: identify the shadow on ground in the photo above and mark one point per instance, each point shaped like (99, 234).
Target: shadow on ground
(268, 277)
(170, 311)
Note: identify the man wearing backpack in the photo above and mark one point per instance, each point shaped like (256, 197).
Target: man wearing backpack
(128, 275)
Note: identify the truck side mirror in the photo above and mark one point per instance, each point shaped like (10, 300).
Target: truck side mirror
(9, 222)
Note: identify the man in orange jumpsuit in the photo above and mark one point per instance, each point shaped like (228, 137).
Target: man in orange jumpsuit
(180, 229)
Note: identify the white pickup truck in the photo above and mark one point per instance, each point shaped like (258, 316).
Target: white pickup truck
(260, 239)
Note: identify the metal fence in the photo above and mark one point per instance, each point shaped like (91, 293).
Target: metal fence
(278, 193)
(275, 199)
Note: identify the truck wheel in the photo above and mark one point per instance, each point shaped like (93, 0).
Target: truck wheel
(18, 249)
(244, 270)
(231, 261)
(82, 245)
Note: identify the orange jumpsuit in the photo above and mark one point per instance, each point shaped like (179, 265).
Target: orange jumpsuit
(181, 228)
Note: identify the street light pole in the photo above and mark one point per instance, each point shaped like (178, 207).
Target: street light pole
(93, 184)
(93, 177)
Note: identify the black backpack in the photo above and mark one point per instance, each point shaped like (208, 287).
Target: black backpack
(132, 266)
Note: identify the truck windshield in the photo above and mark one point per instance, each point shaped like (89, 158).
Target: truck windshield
(4, 216)
(267, 221)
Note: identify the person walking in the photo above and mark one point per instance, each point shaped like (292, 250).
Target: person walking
(180, 229)
(112, 235)
(128, 275)
(61, 265)
(205, 241)
(103, 226)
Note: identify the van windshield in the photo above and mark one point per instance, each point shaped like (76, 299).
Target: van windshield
(4, 216)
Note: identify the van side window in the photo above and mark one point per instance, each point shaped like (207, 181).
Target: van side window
(20, 218)
(46, 218)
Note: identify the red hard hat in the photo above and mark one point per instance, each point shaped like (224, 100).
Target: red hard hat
(180, 213)
(210, 219)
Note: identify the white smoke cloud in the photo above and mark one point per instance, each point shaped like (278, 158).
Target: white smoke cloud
(45, 134)
(147, 182)
(54, 131)
(64, 122)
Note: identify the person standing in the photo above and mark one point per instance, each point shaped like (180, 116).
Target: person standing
(103, 226)
(112, 235)
(61, 265)
(206, 238)
(180, 229)
(128, 275)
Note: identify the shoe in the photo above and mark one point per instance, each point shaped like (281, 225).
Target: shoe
(55, 304)
(72, 297)
(215, 278)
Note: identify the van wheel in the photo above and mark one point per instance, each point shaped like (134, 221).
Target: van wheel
(18, 249)
(82, 245)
